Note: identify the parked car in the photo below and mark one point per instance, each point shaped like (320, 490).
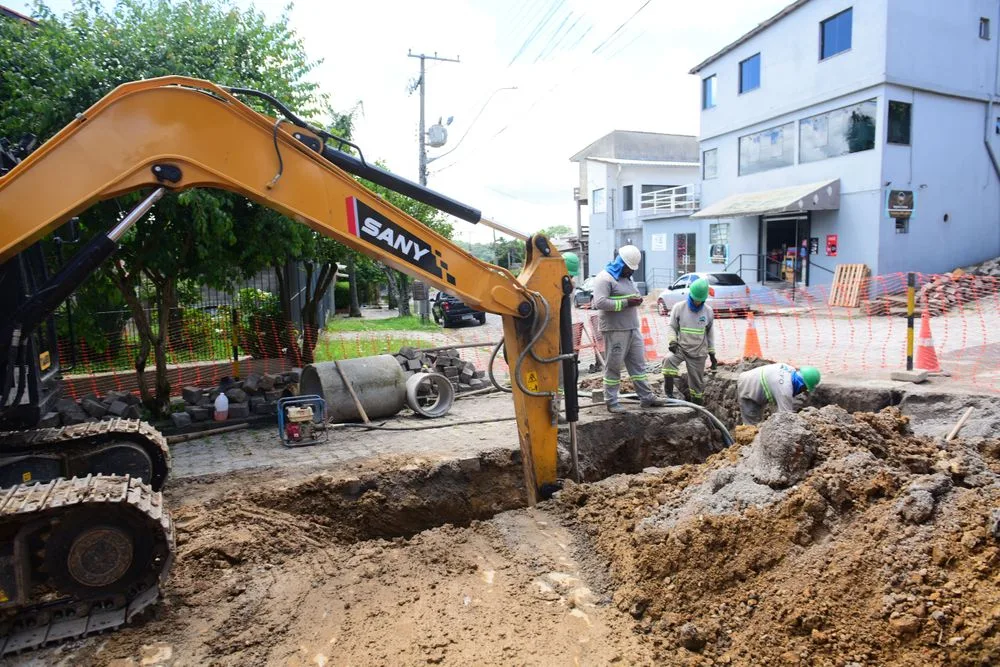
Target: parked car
(449, 311)
(727, 293)
(584, 293)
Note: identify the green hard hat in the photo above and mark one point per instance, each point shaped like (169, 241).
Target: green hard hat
(699, 290)
(810, 375)
(572, 263)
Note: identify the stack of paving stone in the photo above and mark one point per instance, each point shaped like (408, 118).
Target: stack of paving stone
(93, 408)
(256, 394)
(464, 375)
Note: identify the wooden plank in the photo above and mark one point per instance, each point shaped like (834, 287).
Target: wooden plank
(848, 283)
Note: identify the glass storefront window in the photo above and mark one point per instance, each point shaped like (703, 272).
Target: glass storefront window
(839, 132)
(770, 149)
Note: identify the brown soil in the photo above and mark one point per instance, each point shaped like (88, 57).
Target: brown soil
(830, 573)
(885, 552)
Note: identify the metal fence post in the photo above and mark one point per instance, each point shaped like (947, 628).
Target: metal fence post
(236, 343)
(911, 282)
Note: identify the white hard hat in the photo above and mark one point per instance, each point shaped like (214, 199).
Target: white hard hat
(631, 256)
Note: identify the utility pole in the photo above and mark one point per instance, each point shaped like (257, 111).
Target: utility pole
(420, 82)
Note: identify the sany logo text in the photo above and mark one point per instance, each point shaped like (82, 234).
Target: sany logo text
(397, 240)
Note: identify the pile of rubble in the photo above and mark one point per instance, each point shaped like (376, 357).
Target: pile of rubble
(943, 294)
(256, 394)
(990, 267)
(464, 375)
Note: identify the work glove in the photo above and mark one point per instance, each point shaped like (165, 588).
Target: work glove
(674, 346)
(715, 362)
(634, 301)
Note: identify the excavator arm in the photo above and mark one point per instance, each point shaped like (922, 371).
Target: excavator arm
(176, 133)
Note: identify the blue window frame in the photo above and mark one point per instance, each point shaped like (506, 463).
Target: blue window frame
(835, 34)
(708, 86)
(750, 73)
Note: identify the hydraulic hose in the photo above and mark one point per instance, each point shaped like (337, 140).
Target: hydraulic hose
(489, 369)
(727, 439)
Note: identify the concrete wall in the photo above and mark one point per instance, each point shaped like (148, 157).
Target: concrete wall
(935, 44)
(660, 264)
(948, 168)
(792, 75)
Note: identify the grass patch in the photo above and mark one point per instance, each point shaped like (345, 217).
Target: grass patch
(331, 349)
(406, 323)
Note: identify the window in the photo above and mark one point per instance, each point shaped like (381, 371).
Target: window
(899, 123)
(839, 132)
(597, 201)
(710, 164)
(627, 198)
(835, 34)
(750, 74)
(902, 225)
(708, 92)
(769, 149)
(984, 28)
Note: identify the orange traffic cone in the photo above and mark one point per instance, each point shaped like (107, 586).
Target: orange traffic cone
(751, 344)
(647, 341)
(926, 356)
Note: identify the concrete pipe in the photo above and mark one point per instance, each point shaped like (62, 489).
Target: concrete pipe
(429, 394)
(378, 381)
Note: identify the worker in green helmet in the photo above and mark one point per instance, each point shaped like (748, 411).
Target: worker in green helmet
(573, 270)
(691, 341)
(777, 384)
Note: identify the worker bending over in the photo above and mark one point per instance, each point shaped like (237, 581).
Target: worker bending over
(618, 299)
(691, 341)
(778, 384)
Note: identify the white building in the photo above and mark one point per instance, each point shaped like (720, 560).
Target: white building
(639, 188)
(815, 118)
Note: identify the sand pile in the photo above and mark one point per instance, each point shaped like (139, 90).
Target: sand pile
(829, 539)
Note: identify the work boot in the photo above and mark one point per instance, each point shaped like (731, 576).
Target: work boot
(654, 402)
(697, 400)
(668, 386)
(616, 408)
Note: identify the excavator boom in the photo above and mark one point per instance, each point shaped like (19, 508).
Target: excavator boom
(178, 133)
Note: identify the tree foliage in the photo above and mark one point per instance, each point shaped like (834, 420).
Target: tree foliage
(59, 68)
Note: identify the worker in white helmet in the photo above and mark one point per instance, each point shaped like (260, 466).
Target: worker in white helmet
(618, 299)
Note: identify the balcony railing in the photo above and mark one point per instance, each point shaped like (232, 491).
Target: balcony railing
(679, 200)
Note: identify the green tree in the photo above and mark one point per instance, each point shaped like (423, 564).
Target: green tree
(555, 230)
(67, 63)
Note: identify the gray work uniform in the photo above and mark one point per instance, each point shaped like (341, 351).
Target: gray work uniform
(622, 341)
(768, 384)
(694, 333)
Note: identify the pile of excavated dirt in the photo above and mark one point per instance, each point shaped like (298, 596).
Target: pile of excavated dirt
(829, 539)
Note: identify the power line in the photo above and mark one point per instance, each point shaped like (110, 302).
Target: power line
(553, 36)
(555, 46)
(558, 83)
(555, 6)
(629, 19)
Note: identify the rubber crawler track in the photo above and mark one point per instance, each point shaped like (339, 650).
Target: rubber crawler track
(54, 621)
(67, 440)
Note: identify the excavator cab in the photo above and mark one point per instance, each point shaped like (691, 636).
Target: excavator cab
(30, 376)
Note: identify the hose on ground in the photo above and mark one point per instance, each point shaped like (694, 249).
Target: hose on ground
(727, 439)
(426, 427)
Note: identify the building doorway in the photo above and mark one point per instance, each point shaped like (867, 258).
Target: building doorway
(685, 247)
(785, 258)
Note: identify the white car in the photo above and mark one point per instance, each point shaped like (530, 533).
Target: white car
(727, 293)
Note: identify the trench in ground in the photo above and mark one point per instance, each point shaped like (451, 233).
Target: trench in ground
(405, 501)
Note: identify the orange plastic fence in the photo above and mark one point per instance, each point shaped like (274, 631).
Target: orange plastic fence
(864, 342)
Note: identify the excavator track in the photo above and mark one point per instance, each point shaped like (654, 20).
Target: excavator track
(112, 446)
(79, 556)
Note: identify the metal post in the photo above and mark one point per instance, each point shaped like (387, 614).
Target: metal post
(422, 164)
(911, 283)
(236, 343)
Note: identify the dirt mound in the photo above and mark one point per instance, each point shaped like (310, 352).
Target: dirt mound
(829, 539)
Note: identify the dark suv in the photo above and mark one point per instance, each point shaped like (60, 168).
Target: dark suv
(449, 311)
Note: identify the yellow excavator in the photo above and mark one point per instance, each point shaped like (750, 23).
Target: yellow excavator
(85, 540)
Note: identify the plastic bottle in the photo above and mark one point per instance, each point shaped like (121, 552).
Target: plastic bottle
(221, 408)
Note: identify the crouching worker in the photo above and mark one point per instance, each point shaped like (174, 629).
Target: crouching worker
(618, 299)
(777, 384)
(692, 341)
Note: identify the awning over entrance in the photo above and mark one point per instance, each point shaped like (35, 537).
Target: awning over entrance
(823, 196)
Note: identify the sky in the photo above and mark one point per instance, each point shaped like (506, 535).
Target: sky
(537, 81)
